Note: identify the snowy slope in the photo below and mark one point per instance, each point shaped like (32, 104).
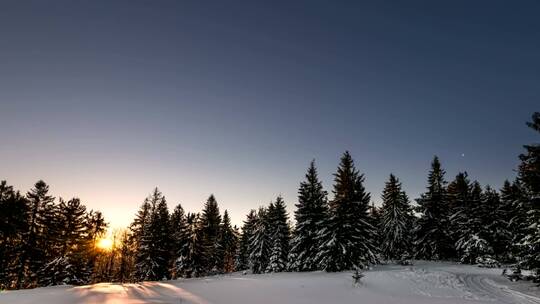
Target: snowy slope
(424, 282)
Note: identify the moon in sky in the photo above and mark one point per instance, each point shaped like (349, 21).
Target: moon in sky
(462, 154)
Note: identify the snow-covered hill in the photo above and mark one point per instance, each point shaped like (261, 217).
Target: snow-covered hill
(425, 282)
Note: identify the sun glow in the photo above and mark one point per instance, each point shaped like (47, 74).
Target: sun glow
(105, 244)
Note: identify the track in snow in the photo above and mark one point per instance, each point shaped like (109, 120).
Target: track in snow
(423, 283)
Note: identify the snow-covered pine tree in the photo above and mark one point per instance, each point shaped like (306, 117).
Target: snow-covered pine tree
(140, 224)
(311, 214)
(211, 221)
(495, 224)
(57, 272)
(248, 229)
(459, 196)
(191, 257)
(260, 242)
(32, 255)
(279, 236)
(13, 212)
(472, 243)
(72, 252)
(433, 239)
(348, 238)
(228, 242)
(513, 201)
(529, 176)
(179, 235)
(153, 248)
(396, 221)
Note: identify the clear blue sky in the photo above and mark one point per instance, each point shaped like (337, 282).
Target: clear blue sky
(107, 99)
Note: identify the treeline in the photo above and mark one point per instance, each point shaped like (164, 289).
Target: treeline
(458, 220)
(45, 243)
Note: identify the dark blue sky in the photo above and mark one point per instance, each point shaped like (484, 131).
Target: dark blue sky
(107, 99)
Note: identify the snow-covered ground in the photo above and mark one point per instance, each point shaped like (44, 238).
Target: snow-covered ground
(425, 282)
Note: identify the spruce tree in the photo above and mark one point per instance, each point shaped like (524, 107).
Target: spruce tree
(310, 215)
(32, 255)
(243, 253)
(140, 223)
(513, 201)
(211, 221)
(495, 224)
(279, 236)
(190, 260)
(396, 221)
(529, 176)
(152, 256)
(472, 242)
(71, 254)
(179, 234)
(260, 242)
(433, 239)
(13, 211)
(459, 196)
(348, 239)
(228, 242)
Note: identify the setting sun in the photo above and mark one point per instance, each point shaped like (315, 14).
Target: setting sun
(105, 244)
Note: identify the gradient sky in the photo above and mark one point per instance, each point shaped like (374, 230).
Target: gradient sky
(105, 100)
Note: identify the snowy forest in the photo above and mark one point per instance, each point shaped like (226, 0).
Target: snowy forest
(44, 241)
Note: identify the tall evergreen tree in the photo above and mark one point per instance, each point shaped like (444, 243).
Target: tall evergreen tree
(260, 242)
(190, 260)
(279, 236)
(513, 201)
(529, 176)
(179, 235)
(13, 211)
(243, 253)
(68, 263)
(35, 241)
(472, 242)
(396, 221)
(140, 224)
(433, 239)
(348, 239)
(211, 221)
(311, 214)
(495, 224)
(228, 241)
(459, 196)
(153, 247)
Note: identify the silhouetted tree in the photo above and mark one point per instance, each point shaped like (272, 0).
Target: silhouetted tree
(260, 242)
(279, 236)
(211, 221)
(13, 226)
(529, 176)
(433, 239)
(348, 239)
(396, 221)
(311, 215)
(248, 229)
(191, 257)
(228, 242)
(32, 255)
(152, 255)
